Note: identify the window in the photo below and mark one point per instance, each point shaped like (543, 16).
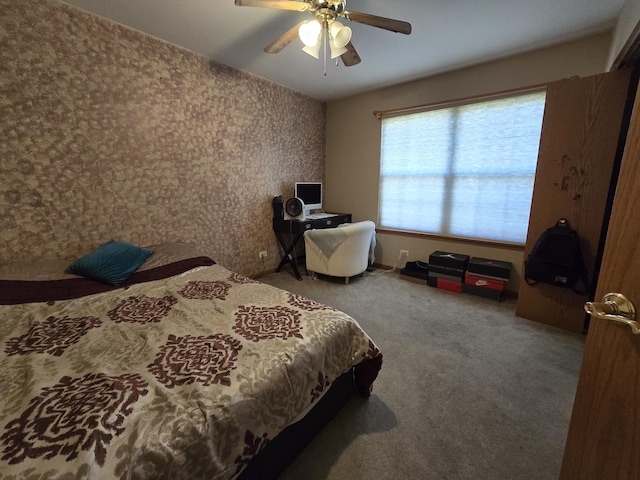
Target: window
(465, 170)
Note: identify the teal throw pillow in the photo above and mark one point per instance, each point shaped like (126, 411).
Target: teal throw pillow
(111, 263)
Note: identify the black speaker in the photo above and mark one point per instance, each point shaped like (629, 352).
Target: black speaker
(278, 207)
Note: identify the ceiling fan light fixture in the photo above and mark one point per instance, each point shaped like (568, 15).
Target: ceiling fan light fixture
(309, 33)
(336, 51)
(339, 34)
(326, 13)
(314, 51)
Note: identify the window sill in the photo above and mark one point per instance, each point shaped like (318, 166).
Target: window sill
(452, 238)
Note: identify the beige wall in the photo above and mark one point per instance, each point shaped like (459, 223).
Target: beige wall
(353, 135)
(626, 26)
(107, 133)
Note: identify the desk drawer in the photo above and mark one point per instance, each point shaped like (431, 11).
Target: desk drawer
(329, 222)
(298, 226)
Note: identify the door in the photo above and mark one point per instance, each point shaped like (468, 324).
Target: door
(604, 434)
(578, 149)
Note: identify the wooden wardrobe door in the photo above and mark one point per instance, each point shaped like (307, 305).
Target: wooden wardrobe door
(578, 145)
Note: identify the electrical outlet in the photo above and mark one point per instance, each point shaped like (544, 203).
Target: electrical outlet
(404, 253)
(263, 254)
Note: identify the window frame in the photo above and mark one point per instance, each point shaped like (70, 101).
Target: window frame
(383, 114)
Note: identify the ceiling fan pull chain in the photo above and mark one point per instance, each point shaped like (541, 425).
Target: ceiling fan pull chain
(324, 47)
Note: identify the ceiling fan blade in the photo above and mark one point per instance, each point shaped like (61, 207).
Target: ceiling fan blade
(284, 40)
(350, 57)
(277, 4)
(397, 26)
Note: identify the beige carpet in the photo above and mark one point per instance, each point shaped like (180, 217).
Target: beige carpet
(467, 390)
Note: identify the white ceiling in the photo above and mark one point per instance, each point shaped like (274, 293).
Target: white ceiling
(447, 34)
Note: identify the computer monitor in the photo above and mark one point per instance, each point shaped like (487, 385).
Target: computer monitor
(311, 194)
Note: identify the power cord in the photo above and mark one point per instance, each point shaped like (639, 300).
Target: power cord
(401, 257)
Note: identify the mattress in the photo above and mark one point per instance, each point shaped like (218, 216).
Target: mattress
(185, 373)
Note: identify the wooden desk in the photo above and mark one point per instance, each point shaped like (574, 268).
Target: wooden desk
(295, 230)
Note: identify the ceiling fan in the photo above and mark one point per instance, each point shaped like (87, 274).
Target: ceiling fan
(325, 25)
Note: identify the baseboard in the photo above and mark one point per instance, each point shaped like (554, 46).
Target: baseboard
(381, 266)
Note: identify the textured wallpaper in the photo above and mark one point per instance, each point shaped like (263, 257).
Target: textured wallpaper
(107, 133)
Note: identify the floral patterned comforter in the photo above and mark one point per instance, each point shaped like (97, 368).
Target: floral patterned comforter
(185, 377)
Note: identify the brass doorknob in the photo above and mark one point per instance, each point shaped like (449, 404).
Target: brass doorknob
(617, 308)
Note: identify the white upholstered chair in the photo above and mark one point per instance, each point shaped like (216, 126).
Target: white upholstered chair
(344, 251)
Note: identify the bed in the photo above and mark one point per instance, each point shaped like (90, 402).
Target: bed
(185, 371)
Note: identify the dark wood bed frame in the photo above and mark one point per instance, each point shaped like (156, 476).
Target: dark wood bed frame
(285, 447)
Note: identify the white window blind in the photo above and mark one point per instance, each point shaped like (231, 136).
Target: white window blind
(465, 170)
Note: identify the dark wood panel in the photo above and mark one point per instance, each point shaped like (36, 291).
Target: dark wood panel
(580, 132)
